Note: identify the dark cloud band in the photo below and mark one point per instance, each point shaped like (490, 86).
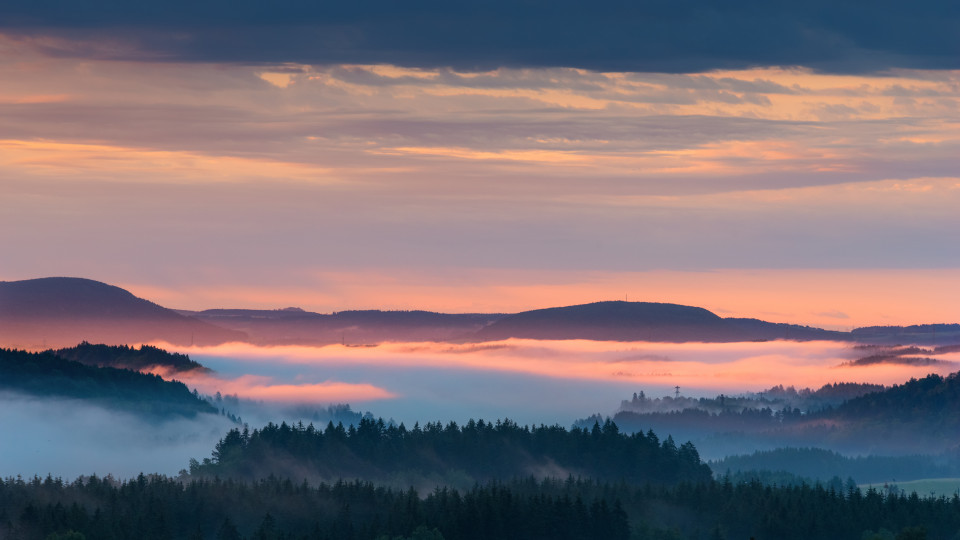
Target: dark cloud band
(651, 36)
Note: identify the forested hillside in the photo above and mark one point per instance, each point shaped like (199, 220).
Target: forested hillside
(48, 375)
(123, 356)
(918, 416)
(931, 403)
(459, 455)
(820, 464)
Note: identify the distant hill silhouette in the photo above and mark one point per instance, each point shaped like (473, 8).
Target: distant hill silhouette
(61, 312)
(927, 334)
(643, 321)
(296, 326)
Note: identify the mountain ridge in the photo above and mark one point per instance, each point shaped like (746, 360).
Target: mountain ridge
(61, 312)
(619, 320)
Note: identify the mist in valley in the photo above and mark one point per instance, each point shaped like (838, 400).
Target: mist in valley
(68, 438)
(531, 382)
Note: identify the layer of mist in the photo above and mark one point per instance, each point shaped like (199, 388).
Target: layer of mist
(69, 438)
(525, 379)
(531, 382)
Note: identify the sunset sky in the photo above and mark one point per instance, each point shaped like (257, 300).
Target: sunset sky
(787, 161)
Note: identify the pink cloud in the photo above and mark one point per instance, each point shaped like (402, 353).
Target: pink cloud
(259, 387)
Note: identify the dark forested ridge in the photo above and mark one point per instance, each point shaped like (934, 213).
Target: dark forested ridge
(918, 416)
(122, 356)
(777, 398)
(48, 375)
(476, 451)
(820, 464)
(933, 402)
(296, 326)
(934, 334)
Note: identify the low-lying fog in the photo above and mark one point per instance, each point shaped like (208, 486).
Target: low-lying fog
(69, 438)
(526, 380)
(531, 382)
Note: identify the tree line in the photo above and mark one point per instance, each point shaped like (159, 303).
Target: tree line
(475, 451)
(162, 508)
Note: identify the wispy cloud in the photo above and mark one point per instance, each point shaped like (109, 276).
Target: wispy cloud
(292, 177)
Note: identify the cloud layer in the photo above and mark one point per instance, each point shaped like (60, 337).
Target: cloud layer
(355, 186)
(657, 36)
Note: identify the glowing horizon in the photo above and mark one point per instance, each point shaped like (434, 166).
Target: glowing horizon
(831, 299)
(704, 365)
(781, 193)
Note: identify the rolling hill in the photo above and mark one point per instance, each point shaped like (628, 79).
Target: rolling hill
(642, 321)
(61, 312)
(356, 327)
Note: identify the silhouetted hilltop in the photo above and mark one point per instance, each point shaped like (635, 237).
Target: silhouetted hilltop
(920, 415)
(928, 407)
(61, 312)
(820, 464)
(755, 329)
(932, 334)
(63, 297)
(641, 321)
(48, 375)
(124, 357)
(296, 326)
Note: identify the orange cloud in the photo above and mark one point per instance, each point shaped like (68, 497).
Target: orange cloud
(56, 158)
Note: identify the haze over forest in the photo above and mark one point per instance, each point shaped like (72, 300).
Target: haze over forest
(188, 416)
(289, 364)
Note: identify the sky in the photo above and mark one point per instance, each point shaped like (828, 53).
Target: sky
(787, 161)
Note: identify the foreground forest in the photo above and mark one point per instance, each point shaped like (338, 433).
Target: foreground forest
(523, 482)
(164, 508)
